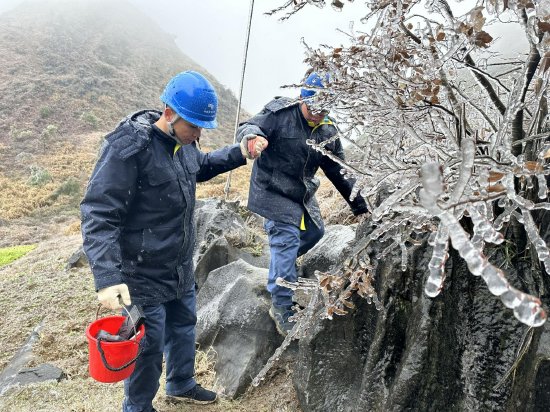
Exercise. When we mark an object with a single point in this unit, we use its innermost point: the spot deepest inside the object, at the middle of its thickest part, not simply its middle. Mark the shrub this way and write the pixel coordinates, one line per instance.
(50, 131)
(17, 134)
(39, 176)
(70, 187)
(90, 119)
(45, 112)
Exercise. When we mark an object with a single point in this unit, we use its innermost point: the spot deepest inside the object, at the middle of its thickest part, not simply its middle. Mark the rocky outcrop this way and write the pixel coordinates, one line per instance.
(233, 318)
(224, 237)
(458, 351)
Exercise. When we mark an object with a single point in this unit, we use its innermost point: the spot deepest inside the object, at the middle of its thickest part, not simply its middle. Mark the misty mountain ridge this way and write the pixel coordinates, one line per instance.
(70, 71)
(82, 66)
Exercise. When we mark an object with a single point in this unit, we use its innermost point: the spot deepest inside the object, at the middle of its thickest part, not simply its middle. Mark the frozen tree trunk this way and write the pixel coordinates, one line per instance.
(456, 352)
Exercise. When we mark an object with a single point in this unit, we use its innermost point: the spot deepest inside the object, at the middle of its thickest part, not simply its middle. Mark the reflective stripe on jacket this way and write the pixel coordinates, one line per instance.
(283, 182)
(137, 213)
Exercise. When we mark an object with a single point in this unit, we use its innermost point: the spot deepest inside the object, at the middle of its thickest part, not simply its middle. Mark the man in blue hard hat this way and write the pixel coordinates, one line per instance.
(283, 184)
(138, 229)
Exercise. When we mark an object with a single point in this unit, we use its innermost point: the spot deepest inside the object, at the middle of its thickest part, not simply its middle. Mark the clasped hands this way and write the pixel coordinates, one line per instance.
(252, 146)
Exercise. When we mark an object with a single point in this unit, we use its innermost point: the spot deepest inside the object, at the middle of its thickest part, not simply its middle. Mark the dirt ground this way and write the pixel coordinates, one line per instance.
(37, 288)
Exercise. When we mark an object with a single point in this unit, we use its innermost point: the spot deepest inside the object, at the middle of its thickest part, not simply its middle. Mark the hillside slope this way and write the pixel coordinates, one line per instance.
(69, 72)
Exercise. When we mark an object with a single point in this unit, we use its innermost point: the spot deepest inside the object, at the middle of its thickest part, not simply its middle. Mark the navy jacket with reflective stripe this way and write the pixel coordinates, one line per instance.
(137, 213)
(283, 182)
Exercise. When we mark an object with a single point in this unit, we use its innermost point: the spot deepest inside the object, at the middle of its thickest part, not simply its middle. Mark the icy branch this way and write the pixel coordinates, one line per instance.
(526, 308)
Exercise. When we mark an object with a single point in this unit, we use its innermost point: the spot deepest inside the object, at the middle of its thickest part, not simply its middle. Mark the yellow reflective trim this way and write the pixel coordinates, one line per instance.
(176, 147)
(326, 120)
(303, 223)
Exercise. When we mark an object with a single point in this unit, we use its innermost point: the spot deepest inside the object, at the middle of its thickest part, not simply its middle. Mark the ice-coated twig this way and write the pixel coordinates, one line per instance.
(335, 158)
(526, 308)
(508, 182)
(385, 206)
(504, 216)
(483, 229)
(303, 319)
(540, 246)
(404, 255)
(543, 186)
(468, 153)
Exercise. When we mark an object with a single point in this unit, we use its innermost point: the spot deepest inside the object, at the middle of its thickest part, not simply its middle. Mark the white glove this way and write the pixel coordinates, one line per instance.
(112, 296)
(252, 146)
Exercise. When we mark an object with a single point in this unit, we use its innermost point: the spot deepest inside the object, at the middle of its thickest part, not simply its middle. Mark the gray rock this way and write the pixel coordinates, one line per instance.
(77, 260)
(458, 351)
(224, 237)
(330, 250)
(220, 253)
(215, 218)
(233, 318)
(41, 373)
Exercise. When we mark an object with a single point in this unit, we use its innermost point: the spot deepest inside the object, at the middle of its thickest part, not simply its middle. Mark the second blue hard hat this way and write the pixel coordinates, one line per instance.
(193, 98)
(314, 80)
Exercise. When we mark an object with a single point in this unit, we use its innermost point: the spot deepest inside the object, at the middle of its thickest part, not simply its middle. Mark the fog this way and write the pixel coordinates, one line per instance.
(213, 33)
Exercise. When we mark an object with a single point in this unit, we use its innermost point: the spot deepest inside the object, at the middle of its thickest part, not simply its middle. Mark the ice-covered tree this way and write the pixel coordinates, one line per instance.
(445, 130)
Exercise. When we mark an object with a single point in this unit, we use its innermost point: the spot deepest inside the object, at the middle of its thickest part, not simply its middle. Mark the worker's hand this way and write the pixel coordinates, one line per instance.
(253, 146)
(115, 296)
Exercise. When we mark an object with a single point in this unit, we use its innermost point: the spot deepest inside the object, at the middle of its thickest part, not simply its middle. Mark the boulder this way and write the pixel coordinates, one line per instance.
(224, 237)
(220, 253)
(233, 318)
(41, 373)
(457, 351)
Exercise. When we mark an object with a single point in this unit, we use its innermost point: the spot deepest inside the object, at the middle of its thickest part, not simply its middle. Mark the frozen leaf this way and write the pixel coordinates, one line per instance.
(477, 19)
(544, 26)
(338, 311)
(482, 39)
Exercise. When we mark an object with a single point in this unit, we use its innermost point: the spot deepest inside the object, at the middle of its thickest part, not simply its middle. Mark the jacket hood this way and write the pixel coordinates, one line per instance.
(141, 121)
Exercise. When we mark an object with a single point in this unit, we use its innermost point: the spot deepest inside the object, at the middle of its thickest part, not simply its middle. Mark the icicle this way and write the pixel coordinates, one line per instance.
(533, 233)
(434, 284)
(527, 308)
(543, 188)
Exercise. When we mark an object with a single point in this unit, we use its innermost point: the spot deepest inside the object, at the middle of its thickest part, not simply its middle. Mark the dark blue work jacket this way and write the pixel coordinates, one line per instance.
(283, 182)
(137, 213)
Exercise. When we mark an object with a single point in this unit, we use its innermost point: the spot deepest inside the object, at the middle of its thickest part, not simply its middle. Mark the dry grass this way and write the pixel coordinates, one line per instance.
(75, 160)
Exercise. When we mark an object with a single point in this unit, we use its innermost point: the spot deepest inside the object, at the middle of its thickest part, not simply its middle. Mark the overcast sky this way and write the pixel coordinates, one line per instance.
(213, 33)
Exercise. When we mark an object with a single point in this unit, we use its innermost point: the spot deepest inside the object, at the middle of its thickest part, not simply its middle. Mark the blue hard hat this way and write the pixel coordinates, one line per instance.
(193, 98)
(314, 80)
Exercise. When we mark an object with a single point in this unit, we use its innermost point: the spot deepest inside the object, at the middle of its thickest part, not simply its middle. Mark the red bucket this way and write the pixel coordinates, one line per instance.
(118, 360)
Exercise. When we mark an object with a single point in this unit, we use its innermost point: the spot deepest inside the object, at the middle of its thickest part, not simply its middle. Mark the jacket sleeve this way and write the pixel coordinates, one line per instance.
(259, 125)
(219, 161)
(110, 190)
(333, 171)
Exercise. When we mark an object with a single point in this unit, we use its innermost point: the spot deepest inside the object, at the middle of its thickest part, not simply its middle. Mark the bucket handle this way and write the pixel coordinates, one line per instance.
(111, 368)
(100, 349)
